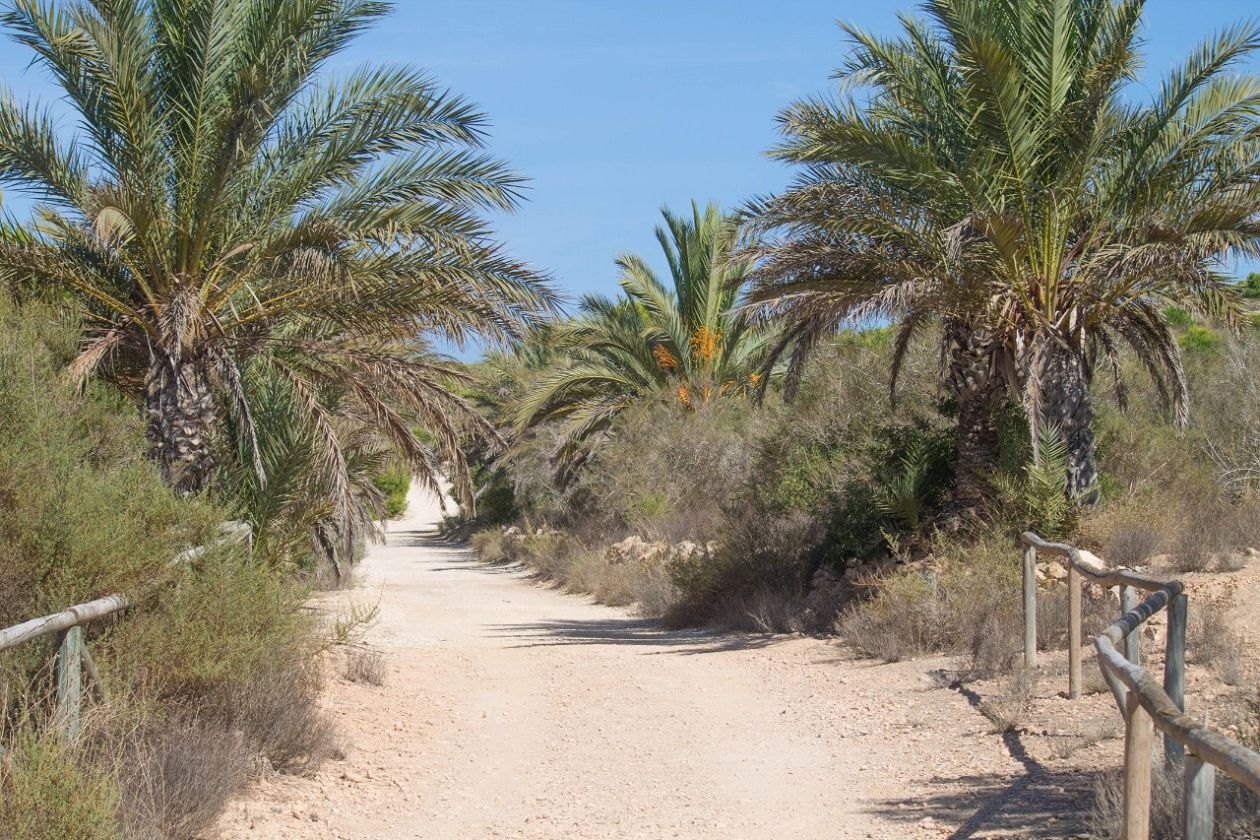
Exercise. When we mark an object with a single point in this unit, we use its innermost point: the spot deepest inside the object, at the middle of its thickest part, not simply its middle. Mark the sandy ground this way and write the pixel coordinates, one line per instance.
(514, 711)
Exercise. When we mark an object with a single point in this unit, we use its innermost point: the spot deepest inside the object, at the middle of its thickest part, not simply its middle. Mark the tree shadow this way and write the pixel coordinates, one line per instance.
(454, 552)
(630, 631)
(1038, 803)
(1044, 804)
(608, 631)
(424, 538)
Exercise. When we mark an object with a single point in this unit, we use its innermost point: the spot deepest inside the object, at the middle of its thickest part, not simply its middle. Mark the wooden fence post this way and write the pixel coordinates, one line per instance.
(70, 682)
(1175, 670)
(1030, 606)
(1074, 632)
(1139, 735)
(1199, 798)
(1132, 642)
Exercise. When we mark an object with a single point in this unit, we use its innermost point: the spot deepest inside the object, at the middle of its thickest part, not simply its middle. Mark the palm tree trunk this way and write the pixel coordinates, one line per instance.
(1064, 401)
(973, 379)
(180, 420)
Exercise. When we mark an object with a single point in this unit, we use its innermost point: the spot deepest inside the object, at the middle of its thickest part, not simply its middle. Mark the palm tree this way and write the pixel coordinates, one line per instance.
(1079, 216)
(680, 343)
(290, 505)
(229, 215)
(837, 251)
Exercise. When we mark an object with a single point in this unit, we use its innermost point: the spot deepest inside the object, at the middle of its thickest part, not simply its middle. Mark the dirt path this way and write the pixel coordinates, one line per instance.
(515, 711)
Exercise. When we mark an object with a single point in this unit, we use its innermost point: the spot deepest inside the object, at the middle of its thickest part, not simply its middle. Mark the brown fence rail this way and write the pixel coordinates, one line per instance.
(1145, 704)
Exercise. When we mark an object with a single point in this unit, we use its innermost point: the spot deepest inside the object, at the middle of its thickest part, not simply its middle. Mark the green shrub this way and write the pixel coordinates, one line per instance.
(856, 526)
(1178, 318)
(218, 623)
(47, 792)
(802, 479)
(394, 485)
(648, 506)
(83, 514)
(1199, 339)
(496, 497)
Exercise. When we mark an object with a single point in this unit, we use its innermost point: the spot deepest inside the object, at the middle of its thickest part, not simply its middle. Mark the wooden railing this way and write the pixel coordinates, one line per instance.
(73, 659)
(1144, 703)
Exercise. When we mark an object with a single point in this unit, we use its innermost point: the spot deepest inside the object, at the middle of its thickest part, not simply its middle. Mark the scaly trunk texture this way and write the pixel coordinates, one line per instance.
(180, 420)
(973, 379)
(1065, 403)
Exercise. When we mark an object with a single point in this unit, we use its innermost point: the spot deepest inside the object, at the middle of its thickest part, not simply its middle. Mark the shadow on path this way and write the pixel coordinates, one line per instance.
(455, 552)
(1044, 805)
(1038, 803)
(426, 538)
(629, 631)
(604, 631)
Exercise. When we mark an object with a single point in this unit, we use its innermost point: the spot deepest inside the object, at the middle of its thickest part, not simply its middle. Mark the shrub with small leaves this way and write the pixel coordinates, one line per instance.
(394, 484)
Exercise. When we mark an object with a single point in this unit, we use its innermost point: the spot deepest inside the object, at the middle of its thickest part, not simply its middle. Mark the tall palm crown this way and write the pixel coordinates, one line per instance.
(681, 343)
(840, 251)
(998, 137)
(227, 215)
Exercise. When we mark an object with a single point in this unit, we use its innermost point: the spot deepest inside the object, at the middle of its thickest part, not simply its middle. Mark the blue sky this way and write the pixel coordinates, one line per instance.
(615, 108)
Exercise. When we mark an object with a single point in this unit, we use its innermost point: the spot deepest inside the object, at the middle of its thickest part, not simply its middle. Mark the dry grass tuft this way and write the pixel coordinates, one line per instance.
(278, 713)
(1211, 640)
(1211, 536)
(1009, 710)
(488, 545)
(1091, 735)
(1190, 528)
(140, 771)
(349, 626)
(1237, 809)
(581, 569)
(176, 776)
(1129, 546)
(364, 665)
(872, 634)
(1092, 680)
(762, 610)
(964, 600)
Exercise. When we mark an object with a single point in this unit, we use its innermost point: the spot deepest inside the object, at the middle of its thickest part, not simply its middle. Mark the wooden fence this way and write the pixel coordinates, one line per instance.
(1144, 702)
(74, 660)
(73, 657)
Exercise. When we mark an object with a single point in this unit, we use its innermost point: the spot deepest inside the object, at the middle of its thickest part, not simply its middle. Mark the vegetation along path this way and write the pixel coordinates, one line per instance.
(512, 710)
